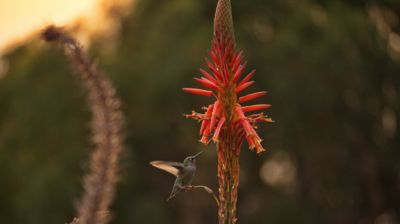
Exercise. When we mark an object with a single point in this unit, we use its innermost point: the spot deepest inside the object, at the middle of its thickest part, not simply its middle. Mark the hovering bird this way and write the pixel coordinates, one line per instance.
(184, 172)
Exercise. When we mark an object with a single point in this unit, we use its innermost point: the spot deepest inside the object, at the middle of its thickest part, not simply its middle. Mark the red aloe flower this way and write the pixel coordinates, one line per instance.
(226, 121)
(223, 82)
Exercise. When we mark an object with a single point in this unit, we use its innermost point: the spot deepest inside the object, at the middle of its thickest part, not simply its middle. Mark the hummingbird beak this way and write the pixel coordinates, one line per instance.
(198, 154)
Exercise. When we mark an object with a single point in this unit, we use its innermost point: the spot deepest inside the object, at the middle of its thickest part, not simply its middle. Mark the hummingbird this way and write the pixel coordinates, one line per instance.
(184, 172)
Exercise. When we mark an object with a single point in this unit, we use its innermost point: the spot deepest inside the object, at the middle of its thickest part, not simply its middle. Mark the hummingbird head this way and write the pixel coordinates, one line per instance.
(191, 159)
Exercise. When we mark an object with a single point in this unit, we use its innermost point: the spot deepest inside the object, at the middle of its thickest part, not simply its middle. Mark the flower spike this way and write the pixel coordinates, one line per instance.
(227, 66)
(224, 119)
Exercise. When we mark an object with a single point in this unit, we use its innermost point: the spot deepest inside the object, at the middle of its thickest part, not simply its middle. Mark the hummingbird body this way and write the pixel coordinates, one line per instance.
(184, 172)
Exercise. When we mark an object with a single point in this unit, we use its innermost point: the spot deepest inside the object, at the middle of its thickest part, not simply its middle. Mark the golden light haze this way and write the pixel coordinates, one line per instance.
(19, 18)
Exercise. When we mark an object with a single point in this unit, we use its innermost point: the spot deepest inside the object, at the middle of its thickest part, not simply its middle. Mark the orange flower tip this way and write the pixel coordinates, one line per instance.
(250, 135)
(215, 140)
(260, 150)
(251, 144)
(252, 96)
(201, 92)
(190, 115)
(204, 140)
(243, 86)
(255, 107)
(259, 147)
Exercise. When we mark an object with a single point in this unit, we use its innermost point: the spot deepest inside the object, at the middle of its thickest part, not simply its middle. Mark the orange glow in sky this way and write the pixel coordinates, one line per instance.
(21, 17)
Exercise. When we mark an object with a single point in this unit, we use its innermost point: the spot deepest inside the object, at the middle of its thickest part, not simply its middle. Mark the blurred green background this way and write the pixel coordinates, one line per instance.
(332, 70)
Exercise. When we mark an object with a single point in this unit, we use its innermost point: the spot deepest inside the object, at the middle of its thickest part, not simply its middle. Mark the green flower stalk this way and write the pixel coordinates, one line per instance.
(226, 121)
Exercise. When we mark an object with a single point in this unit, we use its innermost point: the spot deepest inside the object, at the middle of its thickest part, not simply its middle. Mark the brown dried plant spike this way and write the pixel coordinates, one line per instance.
(99, 183)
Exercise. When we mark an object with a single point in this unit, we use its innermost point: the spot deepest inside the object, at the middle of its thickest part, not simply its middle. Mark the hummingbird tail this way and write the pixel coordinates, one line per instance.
(174, 192)
(170, 197)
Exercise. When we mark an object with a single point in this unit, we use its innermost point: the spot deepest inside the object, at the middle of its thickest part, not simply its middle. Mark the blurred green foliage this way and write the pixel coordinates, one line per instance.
(333, 74)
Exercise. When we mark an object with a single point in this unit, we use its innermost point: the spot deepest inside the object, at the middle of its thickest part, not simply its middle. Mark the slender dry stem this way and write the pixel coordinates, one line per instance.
(205, 188)
(99, 183)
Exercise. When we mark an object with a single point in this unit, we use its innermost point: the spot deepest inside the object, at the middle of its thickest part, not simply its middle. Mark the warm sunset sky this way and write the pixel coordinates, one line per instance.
(21, 17)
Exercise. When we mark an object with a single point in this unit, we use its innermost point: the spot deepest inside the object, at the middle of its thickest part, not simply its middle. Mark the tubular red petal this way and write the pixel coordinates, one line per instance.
(248, 77)
(208, 76)
(201, 92)
(226, 72)
(203, 125)
(214, 57)
(206, 120)
(237, 59)
(239, 112)
(206, 83)
(218, 129)
(255, 136)
(209, 112)
(251, 143)
(204, 138)
(235, 67)
(255, 107)
(214, 70)
(238, 73)
(218, 52)
(214, 115)
(252, 96)
(247, 127)
(243, 86)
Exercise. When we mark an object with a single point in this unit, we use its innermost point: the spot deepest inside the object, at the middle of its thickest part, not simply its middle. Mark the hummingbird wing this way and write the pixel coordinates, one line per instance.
(173, 168)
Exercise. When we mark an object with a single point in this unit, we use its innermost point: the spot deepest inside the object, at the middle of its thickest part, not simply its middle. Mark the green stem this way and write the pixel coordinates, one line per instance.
(228, 176)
